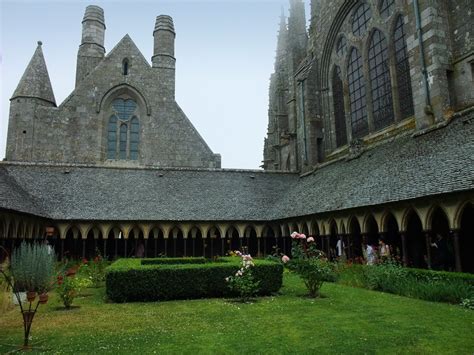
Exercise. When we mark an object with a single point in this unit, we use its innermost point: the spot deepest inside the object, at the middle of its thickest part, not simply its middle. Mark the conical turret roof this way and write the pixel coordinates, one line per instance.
(35, 80)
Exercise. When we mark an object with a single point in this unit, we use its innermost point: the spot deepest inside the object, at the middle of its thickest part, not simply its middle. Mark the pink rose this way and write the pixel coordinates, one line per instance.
(285, 259)
(294, 235)
(302, 236)
(310, 239)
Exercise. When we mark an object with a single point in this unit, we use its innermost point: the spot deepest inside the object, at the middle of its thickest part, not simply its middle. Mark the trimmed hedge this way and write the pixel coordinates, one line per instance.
(173, 261)
(127, 280)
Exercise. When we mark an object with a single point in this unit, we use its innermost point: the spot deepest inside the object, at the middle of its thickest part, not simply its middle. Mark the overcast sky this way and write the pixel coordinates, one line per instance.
(224, 49)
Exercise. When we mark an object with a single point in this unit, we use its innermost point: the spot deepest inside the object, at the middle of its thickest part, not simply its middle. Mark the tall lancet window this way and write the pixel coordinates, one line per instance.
(339, 112)
(380, 80)
(123, 133)
(355, 76)
(403, 71)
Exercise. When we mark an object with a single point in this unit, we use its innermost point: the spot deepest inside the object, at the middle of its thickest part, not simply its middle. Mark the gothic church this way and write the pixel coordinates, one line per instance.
(370, 136)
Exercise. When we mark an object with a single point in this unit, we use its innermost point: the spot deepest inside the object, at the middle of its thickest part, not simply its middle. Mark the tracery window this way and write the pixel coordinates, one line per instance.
(381, 87)
(361, 18)
(341, 46)
(339, 112)
(386, 8)
(405, 94)
(123, 131)
(357, 94)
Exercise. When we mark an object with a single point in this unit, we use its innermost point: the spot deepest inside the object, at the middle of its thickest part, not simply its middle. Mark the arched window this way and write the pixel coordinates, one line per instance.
(123, 132)
(361, 19)
(112, 138)
(380, 80)
(356, 81)
(134, 138)
(386, 8)
(339, 112)
(405, 94)
(125, 67)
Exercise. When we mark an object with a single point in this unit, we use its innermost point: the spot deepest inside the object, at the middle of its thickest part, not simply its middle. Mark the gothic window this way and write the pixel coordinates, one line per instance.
(112, 137)
(125, 67)
(341, 46)
(361, 19)
(380, 80)
(386, 8)
(405, 94)
(339, 112)
(356, 81)
(123, 132)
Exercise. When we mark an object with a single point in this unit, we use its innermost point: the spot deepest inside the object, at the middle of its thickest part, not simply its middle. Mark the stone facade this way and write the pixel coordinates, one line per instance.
(77, 130)
(302, 132)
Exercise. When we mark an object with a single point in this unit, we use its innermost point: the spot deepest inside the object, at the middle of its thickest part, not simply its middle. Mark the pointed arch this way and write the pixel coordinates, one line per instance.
(380, 83)
(402, 69)
(339, 110)
(357, 94)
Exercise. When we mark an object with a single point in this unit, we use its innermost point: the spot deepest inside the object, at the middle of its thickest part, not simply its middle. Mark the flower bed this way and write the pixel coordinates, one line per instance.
(129, 280)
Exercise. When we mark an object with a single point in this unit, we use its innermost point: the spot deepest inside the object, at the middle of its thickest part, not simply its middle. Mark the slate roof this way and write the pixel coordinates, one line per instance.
(92, 193)
(407, 167)
(35, 81)
(14, 197)
(441, 161)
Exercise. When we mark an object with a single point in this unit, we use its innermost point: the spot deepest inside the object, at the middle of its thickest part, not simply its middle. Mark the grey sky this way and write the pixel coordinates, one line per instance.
(225, 53)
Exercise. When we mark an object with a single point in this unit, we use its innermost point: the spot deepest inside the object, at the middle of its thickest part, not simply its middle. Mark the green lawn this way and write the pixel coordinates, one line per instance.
(345, 320)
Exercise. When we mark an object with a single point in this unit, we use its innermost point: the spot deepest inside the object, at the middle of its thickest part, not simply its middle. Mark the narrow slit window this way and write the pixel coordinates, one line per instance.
(125, 67)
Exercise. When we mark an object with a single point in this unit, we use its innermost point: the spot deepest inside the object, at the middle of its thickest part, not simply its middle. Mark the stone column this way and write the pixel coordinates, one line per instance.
(125, 248)
(428, 248)
(457, 249)
(404, 248)
(83, 248)
(258, 247)
(166, 247)
(62, 249)
(105, 248)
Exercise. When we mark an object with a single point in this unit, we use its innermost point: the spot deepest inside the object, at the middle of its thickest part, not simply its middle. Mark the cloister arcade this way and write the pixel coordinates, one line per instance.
(410, 229)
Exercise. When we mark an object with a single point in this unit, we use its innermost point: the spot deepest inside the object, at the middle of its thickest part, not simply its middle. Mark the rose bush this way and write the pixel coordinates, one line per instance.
(308, 262)
(243, 282)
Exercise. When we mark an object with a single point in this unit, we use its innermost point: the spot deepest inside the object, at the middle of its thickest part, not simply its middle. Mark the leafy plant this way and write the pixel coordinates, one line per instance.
(309, 263)
(243, 282)
(31, 269)
(69, 287)
(95, 269)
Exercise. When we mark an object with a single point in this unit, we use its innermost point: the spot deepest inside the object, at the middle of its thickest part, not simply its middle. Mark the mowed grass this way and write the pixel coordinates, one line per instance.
(345, 320)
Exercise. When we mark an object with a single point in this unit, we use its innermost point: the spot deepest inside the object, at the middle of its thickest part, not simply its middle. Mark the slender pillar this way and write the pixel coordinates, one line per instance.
(212, 247)
(240, 243)
(457, 250)
(174, 247)
(146, 248)
(166, 246)
(428, 248)
(116, 248)
(62, 249)
(222, 246)
(258, 247)
(95, 246)
(328, 246)
(404, 248)
(83, 248)
(126, 254)
(285, 251)
(265, 246)
(204, 245)
(194, 247)
(105, 249)
(156, 247)
(185, 245)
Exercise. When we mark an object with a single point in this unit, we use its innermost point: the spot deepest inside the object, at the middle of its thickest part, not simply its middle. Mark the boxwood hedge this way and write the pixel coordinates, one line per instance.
(129, 280)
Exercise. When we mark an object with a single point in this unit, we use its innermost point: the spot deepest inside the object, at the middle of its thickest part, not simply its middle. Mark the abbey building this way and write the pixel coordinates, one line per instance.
(370, 137)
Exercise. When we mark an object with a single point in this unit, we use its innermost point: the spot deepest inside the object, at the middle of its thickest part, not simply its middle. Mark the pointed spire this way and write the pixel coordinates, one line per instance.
(35, 81)
(282, 34)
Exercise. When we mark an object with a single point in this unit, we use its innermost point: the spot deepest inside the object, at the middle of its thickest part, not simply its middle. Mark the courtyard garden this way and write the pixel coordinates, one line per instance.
(238, 305)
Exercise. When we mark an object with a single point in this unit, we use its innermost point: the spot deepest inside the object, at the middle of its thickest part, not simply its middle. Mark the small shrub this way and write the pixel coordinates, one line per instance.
(94, 270)
(243, 282)
(468, 303)
(69, 288)
(309, 263)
